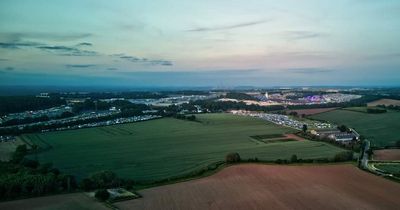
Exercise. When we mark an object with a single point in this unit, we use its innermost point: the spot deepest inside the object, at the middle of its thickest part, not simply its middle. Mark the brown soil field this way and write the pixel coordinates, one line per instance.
(385, 102)
(387, 154)
(76, 201)
(286, 136)
(257, 186)
(312, 111)
(295, 137)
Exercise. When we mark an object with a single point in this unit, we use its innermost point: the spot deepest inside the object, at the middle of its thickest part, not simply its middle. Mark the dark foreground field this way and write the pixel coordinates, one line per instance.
(75, 201)
(254, 186)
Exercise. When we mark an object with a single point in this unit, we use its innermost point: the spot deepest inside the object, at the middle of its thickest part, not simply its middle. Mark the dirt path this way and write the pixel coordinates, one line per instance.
(293, 136)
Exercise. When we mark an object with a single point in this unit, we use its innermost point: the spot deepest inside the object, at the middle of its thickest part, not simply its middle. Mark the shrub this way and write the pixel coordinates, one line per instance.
(398, 143)
(191, 118)
(293, 159)
(376, 110)
(19, 153)
(104, 179)
(102, 194)
(86, 184)
(29, 163)
(343, 156)
(232, 157)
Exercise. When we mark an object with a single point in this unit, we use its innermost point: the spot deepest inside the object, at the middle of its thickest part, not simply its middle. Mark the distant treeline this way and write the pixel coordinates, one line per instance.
(376, 110)
(239, 96)
(129, 95)
(12, 104)
(391, 107)
(218, 106)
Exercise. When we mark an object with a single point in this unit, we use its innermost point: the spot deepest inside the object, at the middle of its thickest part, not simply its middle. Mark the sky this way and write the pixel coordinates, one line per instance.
(200, 43)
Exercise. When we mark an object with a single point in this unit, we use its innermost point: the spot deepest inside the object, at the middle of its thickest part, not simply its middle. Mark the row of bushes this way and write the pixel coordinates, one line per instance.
(339, 157)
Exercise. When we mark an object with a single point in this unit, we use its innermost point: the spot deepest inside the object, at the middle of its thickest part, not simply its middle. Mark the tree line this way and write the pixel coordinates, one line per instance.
(23, 177)
(13, 104)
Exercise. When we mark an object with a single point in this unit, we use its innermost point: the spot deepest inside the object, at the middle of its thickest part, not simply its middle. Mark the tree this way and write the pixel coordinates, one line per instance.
(102, 194)
(370, 152)
(343, 128)
(19, 153)
(29, 163)
(104, 179)
(343, 156)
(398, 143)
(191, 118)
(305, 127)
(293, 159)
(232, 157)
(86, 184)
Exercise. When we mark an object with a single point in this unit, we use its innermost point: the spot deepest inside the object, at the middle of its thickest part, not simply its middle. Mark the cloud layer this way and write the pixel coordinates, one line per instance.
(134, 59)
(227, 27)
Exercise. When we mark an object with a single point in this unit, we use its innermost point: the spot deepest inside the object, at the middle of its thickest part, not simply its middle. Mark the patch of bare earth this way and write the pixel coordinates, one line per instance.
(295, 137)
(76, 201)
(387, 154)
(256, 186)
(312, 111)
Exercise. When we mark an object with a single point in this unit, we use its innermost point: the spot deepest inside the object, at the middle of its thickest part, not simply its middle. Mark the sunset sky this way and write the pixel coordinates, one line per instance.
(199, 43)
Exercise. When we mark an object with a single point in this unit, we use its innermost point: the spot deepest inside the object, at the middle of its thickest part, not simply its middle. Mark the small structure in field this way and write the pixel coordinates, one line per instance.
(120, 194)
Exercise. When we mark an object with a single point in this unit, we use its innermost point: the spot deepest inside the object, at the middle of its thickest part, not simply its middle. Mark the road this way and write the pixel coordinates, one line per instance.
(364, 160)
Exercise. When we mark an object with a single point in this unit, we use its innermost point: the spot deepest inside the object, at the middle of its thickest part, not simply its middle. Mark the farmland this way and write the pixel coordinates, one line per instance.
(381, 129)
(256, 186)
(387, 154)
(168, 147)
(393, 168)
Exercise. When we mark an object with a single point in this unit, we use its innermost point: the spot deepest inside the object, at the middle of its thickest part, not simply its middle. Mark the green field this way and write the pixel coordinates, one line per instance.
(393, 168)
(168, 147)
(381, 129)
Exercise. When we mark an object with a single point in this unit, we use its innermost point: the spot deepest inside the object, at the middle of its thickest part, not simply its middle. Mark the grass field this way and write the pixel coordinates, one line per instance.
(393, 168)
(381, 129)
(311, 111)
(165, 148)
